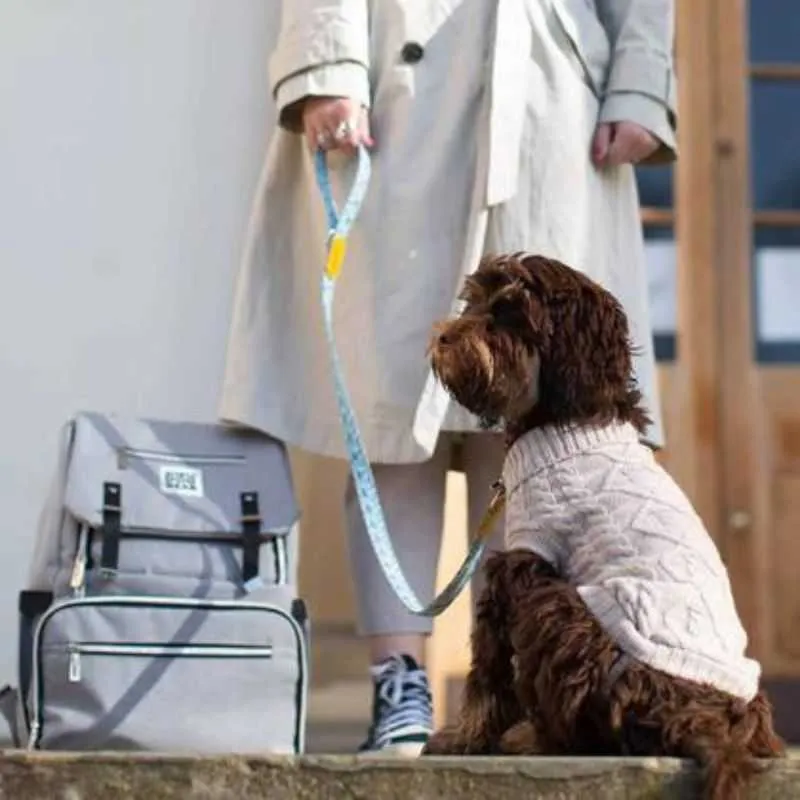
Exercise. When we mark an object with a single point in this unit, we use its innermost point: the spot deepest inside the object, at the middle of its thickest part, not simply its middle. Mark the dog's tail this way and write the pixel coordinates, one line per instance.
(730, 765)
(727, 772)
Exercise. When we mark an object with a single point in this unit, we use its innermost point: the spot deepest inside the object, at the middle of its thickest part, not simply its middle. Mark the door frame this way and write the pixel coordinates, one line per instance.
(717, 378)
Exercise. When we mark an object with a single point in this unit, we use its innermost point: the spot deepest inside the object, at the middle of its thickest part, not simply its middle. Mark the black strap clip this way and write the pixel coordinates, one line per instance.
(112, 517)
(251, 544)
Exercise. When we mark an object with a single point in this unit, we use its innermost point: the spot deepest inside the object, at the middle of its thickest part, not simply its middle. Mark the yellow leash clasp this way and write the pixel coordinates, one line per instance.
(337, 249)
(493, 511)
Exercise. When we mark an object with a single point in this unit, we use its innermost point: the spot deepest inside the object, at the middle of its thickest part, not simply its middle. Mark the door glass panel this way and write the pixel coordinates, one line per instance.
(775, 142)
(776, 290)
(775, 178)
(774, 31)
(655, 186)
(656, 191)
(661, 255)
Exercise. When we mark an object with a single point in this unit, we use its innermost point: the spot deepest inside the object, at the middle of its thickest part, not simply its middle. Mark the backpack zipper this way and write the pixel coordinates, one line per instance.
(77, 650)
(125, 454)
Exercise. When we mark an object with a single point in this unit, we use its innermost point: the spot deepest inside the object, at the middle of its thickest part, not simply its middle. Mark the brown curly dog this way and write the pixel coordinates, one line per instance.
(608, 626)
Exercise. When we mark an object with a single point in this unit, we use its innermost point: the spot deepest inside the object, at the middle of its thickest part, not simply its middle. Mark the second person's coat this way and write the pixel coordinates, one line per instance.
(474, 104)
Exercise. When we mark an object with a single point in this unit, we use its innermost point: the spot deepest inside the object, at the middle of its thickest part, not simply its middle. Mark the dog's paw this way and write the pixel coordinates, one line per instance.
(446, 742)
(451, 742)
(520, 740)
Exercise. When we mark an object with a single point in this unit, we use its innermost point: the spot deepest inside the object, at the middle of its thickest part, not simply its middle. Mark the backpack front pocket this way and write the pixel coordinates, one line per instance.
(168, 674)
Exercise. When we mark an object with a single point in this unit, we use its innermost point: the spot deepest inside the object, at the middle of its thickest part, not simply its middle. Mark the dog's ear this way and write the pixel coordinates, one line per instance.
(517, 311)
(519, 329)
(523, 395)
(587, 368)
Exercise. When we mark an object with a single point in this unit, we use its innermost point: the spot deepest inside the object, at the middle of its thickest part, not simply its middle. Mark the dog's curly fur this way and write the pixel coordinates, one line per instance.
(541, 344)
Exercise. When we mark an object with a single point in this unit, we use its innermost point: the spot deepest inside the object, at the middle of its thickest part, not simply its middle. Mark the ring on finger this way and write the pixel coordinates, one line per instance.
(323, 139)
(343, 130)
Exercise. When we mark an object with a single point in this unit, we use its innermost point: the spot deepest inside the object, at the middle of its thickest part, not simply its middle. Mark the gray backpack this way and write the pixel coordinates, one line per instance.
(161, 610)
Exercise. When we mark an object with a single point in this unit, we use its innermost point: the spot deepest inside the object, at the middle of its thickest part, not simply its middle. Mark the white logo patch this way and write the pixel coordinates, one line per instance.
(184, 481)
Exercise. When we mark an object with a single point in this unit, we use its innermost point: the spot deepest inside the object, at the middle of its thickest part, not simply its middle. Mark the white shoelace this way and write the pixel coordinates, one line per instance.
(404, 703)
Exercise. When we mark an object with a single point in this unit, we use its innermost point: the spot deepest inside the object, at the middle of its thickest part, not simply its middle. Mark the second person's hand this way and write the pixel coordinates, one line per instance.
(622, 142)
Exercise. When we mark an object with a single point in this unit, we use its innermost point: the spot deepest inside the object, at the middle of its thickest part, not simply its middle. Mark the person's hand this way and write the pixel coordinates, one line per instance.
(335, 123)
(618, 143)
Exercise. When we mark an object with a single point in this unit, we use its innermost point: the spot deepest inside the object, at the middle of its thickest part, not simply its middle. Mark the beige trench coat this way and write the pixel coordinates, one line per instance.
(449, 126)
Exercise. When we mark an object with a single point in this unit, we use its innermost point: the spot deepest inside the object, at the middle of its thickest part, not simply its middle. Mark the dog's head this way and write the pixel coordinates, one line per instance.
(538, 343)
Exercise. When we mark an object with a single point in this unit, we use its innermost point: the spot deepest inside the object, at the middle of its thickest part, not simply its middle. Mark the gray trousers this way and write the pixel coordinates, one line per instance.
(413, 498)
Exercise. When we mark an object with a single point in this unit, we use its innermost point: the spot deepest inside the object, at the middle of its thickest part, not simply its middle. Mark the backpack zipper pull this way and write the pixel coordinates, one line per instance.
(74, 666)
(78, 575)
(78, 578)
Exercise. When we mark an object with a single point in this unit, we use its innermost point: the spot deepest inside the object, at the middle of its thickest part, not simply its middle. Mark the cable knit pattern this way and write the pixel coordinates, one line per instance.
(596, 504)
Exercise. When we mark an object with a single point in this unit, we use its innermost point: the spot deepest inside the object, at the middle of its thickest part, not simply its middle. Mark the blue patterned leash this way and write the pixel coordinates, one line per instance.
(339, 225)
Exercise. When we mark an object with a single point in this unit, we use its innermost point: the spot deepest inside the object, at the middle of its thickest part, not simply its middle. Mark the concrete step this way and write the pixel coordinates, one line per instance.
(66, 776)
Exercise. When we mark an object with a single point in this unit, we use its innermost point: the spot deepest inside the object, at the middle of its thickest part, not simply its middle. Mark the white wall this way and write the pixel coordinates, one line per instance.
(131, 134)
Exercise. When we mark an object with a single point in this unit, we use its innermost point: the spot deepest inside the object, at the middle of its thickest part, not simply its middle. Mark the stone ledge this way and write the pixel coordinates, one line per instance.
(101, 776)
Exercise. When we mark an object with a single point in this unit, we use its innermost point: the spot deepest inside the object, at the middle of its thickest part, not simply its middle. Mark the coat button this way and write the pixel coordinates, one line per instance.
(412, 52)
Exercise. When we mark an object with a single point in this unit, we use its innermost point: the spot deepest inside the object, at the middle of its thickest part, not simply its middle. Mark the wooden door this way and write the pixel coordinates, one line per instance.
(732, 392)
(738, 386)
(758, 264)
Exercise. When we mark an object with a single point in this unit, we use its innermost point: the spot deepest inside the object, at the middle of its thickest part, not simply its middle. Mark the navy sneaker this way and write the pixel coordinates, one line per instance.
(402, 714)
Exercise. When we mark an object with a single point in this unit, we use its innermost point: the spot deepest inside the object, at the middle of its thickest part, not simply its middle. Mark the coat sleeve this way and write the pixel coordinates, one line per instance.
(322, 50)
(641, 83)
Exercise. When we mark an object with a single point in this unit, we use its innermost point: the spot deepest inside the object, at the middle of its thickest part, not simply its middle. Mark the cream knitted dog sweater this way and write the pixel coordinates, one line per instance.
(596, 504)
